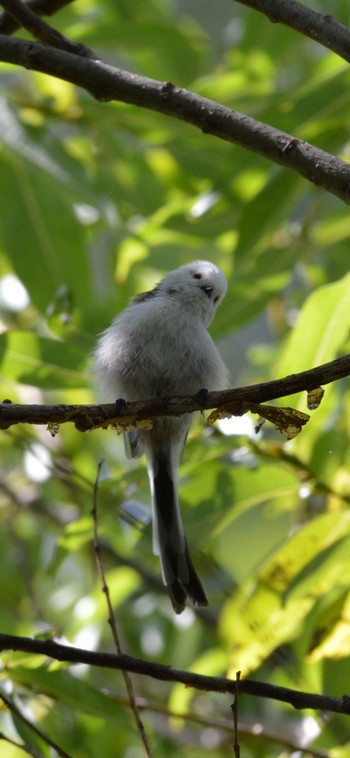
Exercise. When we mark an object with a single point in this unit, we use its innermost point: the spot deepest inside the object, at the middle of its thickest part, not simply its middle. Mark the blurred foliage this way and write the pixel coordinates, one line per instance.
(98, 201)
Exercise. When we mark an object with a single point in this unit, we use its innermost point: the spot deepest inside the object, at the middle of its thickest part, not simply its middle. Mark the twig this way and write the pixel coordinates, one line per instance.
(236, 748)
(305, 470)
(21, 746)
(236, 401)
(8, 24)
(105, 82)
(112, 621)
(164, 673)
(317, 26)
(224, 725)
(42, 31)
(13, 708)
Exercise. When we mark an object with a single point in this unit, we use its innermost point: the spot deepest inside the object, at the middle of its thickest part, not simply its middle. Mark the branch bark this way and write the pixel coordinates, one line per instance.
(10, 705)
(235, 401)
(319, 27)
(164, 673)
(9, 24)
(106, 83)
(26, 17)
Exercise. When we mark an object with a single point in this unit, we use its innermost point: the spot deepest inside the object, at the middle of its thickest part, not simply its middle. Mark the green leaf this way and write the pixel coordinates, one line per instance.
(71, 690)
(262, 614)
(321, 330)
(47, 363)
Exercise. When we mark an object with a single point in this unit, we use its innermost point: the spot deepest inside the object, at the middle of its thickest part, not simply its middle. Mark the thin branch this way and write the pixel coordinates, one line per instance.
(13, 709)
(305, 470)
(21, 746)
(207, 616)
(8, 24)
(236, 745)
(113, 624)
(321, 28)
(105, 82)
(55, 650)
(224, 725)
(236, 401)
(317, 26)
(42, 31)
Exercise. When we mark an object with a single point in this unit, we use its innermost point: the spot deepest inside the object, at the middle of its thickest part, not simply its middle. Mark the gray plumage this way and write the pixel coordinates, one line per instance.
(158, 347)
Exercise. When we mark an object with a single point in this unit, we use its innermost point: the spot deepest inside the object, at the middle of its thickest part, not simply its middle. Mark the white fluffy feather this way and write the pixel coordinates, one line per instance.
(158, 347)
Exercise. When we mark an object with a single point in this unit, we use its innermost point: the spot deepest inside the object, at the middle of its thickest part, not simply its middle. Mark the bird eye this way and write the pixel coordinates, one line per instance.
(197, 275)
(208, 290)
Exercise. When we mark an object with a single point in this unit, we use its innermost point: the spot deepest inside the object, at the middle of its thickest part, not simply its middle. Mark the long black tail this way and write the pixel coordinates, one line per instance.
(169, 542)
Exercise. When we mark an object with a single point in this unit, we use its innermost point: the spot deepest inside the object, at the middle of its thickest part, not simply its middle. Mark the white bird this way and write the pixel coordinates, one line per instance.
(159, 347)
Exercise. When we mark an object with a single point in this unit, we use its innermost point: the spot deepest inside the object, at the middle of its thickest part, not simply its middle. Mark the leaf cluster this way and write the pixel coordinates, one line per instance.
(98, 201)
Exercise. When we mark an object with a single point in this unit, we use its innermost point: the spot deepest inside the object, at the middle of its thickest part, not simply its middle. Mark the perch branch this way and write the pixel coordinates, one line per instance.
(158, 671)
(105, 82)
(235, 401)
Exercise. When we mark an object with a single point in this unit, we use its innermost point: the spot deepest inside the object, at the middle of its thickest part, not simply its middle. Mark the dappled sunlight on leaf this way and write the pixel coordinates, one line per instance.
(270, 610)
(98, 201)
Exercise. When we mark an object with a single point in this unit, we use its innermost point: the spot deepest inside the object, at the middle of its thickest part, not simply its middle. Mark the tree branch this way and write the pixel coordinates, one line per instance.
(8, 24)
(104, 82)
(317, 26)
(224, 725)
(113, 623)
(32, 727)
(235, 401)
(41, 30)
(321, 28)
(164, 673)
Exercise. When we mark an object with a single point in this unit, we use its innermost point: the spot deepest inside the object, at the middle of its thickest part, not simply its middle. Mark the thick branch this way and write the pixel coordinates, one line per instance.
(236, 401)
(163, 673)
(105, 82)
(318, 26)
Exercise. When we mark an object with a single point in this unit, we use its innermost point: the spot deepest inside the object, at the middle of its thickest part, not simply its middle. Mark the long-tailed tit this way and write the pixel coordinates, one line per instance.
(158, 347)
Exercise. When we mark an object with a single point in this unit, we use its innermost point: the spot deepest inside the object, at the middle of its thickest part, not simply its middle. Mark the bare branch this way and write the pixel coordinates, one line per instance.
(234, 707)
(105, 83)
(41, 30)
(8, 24)
(235, 401)
(21, 746)
(113, 624)
(164, 673)
(224, 725)
(32, 727)
(318, 26)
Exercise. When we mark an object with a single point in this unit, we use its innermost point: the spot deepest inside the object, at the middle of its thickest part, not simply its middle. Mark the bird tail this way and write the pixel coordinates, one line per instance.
(169, 542)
